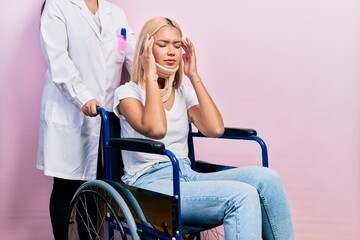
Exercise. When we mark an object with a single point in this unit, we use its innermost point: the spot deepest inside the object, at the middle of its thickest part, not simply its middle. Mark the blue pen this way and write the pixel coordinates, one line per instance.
(123, 33)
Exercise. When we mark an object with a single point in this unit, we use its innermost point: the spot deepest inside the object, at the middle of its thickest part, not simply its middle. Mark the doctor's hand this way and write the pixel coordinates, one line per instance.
(147, 58)
(89, 108)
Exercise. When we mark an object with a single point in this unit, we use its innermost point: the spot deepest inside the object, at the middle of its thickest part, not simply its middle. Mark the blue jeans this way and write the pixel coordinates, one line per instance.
(250, 202)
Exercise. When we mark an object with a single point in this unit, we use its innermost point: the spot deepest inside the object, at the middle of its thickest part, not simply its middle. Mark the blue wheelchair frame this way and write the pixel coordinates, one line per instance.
(150, 146)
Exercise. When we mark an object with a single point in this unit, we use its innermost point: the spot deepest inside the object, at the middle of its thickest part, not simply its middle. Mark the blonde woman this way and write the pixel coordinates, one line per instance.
(155, 105)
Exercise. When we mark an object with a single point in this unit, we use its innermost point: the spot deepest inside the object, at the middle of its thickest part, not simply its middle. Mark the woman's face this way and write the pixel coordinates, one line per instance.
(167, 47)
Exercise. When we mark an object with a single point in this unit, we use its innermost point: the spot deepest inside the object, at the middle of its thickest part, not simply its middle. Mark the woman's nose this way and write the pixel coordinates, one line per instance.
(171, 50)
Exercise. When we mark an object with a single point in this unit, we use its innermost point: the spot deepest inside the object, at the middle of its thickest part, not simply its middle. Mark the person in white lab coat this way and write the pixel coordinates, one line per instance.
(85, 44)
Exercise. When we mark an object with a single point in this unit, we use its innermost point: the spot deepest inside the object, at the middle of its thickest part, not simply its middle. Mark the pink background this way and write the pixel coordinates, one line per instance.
(290, 69)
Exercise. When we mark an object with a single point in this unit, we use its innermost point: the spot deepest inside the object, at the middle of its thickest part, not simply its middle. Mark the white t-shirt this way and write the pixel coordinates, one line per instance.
(175, 140)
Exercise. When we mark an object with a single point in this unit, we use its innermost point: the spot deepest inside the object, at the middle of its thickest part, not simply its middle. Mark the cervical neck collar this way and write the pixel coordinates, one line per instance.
(169, 75)
(165, 72)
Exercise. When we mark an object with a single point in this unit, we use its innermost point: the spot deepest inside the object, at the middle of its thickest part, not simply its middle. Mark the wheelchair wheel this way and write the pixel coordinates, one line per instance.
(97, 211)
(216, 233)
(212, 234)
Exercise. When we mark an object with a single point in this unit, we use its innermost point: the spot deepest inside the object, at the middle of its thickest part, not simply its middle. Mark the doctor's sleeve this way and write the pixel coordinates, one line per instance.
(54, 45)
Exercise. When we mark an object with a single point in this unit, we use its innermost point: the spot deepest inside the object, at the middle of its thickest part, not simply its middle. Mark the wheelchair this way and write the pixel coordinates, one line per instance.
(106, 208)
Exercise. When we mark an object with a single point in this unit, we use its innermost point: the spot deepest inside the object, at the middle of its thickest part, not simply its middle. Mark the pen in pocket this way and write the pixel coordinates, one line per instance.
(122, 40)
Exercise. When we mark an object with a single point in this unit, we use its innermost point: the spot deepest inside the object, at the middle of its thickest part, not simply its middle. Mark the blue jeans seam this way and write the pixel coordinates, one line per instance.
(268, 214)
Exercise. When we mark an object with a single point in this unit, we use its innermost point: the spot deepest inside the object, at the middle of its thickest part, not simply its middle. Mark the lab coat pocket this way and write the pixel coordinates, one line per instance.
(65, 113)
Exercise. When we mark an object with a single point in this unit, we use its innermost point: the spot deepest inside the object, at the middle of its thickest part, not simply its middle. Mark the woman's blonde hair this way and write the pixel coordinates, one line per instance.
(151, 27)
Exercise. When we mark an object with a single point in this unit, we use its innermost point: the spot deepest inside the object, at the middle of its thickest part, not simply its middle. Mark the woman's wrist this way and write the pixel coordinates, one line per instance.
(195, 78)
(151, 77)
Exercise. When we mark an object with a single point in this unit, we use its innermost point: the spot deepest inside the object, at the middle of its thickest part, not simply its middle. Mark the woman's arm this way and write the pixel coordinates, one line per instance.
(206, 116)
(149, 120)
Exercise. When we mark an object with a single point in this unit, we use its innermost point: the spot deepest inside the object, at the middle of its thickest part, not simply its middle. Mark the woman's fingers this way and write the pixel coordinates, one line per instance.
(147, 56)
(148, 45)
(187, 45)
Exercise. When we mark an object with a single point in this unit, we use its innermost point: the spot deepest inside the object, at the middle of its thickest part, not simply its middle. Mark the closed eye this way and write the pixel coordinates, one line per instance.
(165, 43)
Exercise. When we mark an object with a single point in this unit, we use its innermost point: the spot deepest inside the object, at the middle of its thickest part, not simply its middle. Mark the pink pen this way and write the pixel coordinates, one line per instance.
(122, 40)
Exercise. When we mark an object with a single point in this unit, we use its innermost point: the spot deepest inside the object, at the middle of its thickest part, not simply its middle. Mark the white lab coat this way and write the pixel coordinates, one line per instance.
(84, 63)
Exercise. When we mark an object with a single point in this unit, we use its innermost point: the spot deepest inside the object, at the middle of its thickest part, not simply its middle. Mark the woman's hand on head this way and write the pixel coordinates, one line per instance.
(89, 108)
(189, 58)
(147, 58)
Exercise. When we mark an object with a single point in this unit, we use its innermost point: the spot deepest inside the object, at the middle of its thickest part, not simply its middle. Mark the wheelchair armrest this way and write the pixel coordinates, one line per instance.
(233, 132)
(137, 144)
(239, 132)
(149, 146)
